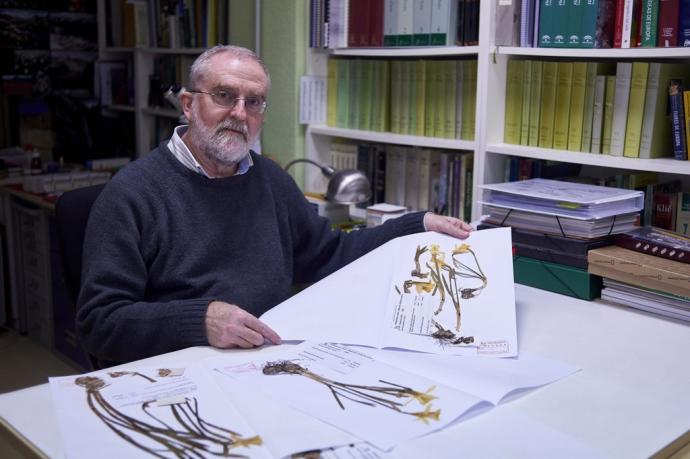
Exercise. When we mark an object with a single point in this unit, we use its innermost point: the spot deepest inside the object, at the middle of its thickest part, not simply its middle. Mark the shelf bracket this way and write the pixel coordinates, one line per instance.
(493, 54)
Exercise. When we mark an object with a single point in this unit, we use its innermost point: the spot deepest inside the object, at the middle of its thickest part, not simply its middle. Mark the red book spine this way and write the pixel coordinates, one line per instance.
(353, 24)
(618, 24)
(669, 11)
(664, 211)
(376, 23)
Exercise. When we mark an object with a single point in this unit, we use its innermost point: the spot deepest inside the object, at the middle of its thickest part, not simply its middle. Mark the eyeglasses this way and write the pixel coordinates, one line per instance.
(252, 104)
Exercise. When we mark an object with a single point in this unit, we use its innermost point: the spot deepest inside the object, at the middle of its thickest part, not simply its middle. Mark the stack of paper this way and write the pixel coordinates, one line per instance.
(563, 208)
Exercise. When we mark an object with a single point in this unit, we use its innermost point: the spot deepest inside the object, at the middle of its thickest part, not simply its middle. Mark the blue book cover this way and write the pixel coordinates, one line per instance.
(675, 102)
(684, 24)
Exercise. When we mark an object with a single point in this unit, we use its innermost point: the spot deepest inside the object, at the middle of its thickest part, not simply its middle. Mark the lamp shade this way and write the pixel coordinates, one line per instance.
(348, 186)
(345, 186)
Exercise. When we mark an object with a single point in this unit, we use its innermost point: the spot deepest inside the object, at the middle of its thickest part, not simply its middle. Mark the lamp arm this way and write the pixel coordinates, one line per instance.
(325, 168)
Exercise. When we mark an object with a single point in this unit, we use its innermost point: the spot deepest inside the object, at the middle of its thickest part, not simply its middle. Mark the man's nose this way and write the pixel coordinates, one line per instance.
(239, 110)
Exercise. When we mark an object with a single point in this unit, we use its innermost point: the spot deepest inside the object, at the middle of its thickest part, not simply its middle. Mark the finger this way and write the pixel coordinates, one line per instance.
(244, 332)
(239, 341)
(264, 330)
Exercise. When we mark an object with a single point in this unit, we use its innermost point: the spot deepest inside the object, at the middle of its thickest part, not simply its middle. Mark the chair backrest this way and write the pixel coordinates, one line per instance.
(71, 215)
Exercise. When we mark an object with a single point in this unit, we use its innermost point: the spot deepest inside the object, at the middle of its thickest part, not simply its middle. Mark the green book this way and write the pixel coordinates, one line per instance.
(366, 94)
(513, 105)
(564, 84)
(588, 28)
(566, 280)
(438, 111)
(405, 96)
(385, 95)
(377, 96)
(459, 73)
(638, 89)
(547, 9)
(449, 97)
(332, 93)
(609, 96)
(577, 106)
(430, 96)
(560, 23)
(650, 19)
(535, 103)
(417, 127)
(548, 104)
(343, 93)
(573, 24)
(469, 99)
(396, 110)
(526, 99)
(355, 94)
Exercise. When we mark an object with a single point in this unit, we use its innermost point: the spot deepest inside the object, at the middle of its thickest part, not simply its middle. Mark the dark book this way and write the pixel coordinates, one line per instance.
(379, 174)
(664, 213)
(375, 23)
(675, 102)
(657, 242)
(538, 253)
(668, 23)
(605, 24)
(684, 24)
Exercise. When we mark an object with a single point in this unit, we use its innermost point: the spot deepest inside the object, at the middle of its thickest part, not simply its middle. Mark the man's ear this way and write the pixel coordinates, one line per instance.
(186, 103)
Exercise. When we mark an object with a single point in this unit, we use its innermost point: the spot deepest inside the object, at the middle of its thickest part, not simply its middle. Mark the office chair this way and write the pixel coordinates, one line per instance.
(71, 215)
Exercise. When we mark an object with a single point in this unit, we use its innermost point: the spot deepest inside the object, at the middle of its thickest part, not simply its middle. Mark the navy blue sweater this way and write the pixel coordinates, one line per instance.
(163, 241)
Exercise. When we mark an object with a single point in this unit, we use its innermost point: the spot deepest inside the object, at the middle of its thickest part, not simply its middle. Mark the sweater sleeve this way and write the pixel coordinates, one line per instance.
(114, 322)
(319, 250)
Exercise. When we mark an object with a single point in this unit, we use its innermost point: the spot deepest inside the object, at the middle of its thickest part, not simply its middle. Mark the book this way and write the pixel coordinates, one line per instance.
(657, 242)
(557, 278)
(650, 18)
(664, 211)
(684, 24)
(638, 89)
(598, 113)
(547, 18)
(648, 300)
(683, 213)
(678, 140)
(588, 23)
(390, 23)
(686, 114)
(443, 22)
(640, 269)
(620, 107)
(421, 23)
(513, 105)
(507, 22)
(548, 103)
(405, 16)
(564, 84)
(535, 103)
(577, 106)
(667, 35)
(526, 98)
(459, 79)
(469, 99)
(605, 24)
(527, 10)
(573, 24)
(449, 90)
(588, 106)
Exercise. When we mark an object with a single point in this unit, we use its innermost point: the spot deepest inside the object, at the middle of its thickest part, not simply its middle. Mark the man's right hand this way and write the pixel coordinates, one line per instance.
(228, 325)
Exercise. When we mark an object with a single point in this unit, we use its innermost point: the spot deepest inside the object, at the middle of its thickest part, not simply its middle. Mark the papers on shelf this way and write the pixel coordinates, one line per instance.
(562, 226)
(367, 315)
(653, 301)
(565, 199)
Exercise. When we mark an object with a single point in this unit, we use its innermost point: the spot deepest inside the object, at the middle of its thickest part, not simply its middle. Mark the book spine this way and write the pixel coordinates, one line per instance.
(609, 96)
(627, 27)
(420, 98)
(459, 71)
(507, 20)
(431, 96)
(535, 103)
(618, 23)
(573, 24)
(577, 106)
(588, 32)
(684, 24)
(667, 35)
(546, 23)
(606, 18)
(332, 92)
(560, 16)
(527, 23)
(683, 221)
(450, 87)
(675, 93)
(586, 142)
(390, 23)
(638, 89)
(650, 108)
(443, 22)
(469, 100)
(513, 110)
(404, 16)
(562, 106)
(343, 93)
(654, 247)
(686, 114)
(422, 23)
(548, 104)
(526, 98)
(650, 17)
(620, 107)
(598, 113)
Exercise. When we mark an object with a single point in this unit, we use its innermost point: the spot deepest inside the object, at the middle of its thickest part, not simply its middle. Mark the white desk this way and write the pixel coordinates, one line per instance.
(631, 399)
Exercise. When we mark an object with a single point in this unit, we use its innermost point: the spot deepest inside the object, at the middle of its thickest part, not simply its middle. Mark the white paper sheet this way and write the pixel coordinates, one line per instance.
(131, 414)
(453, 297)
(349, 306)
(349, 389)
(488, 379)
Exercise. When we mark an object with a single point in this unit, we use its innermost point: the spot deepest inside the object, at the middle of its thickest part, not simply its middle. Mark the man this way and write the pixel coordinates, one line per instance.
(189, 244)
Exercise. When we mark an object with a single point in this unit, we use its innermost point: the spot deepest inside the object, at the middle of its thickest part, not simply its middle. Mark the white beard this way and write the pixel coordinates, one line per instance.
(219, 144)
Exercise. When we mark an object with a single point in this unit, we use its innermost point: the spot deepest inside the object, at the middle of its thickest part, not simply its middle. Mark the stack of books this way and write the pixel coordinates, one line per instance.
(555, 224)
(647, 269)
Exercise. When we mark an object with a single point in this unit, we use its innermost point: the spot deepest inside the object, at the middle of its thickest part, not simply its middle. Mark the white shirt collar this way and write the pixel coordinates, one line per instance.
(180, 150)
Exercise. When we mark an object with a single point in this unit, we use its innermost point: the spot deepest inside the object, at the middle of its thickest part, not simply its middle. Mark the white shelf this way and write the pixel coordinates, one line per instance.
(388, 137)
(421, 51)
(165, 112)
(663, 165)
(608, 53)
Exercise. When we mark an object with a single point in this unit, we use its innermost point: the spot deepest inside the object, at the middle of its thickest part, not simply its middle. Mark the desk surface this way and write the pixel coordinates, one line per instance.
(631, 399)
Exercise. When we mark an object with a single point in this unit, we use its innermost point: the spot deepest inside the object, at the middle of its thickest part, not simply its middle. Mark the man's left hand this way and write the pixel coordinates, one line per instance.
(447, 225)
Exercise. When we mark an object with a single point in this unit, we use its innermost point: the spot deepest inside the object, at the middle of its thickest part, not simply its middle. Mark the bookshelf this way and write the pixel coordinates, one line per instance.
(153, 123)
(491, 153)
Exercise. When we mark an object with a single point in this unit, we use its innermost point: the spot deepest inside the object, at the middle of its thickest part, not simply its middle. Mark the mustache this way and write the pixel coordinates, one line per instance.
(233, 125)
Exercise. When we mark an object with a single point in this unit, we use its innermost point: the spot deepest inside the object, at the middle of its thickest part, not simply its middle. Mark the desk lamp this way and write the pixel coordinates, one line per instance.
(345, 186)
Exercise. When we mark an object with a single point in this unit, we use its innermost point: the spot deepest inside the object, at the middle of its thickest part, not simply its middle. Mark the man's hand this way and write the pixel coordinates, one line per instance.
(228, 325)
(447, 225)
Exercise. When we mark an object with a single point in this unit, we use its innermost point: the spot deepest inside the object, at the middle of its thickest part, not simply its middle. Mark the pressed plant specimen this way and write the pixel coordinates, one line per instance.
(448, 281)
(186, 435)
(389, 395)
